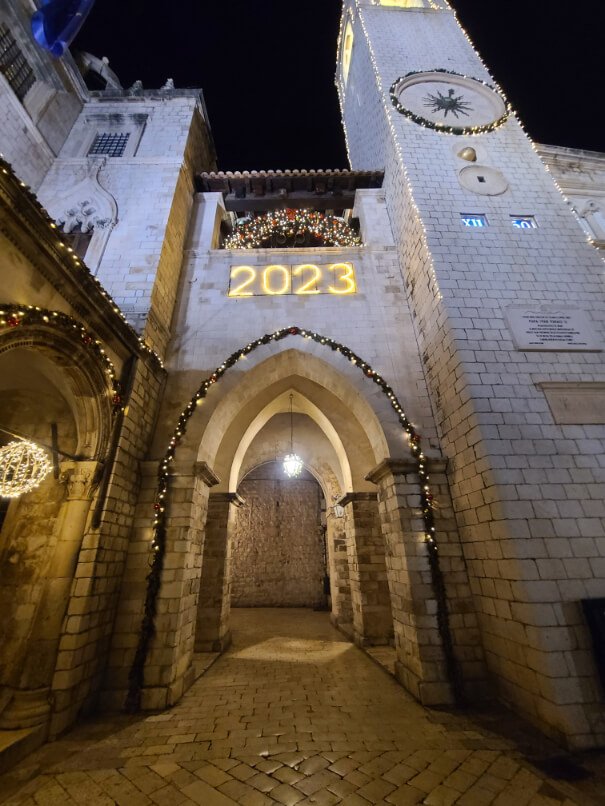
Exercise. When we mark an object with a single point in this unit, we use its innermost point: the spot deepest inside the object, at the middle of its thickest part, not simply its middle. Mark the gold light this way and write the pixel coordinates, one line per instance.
(23, 466)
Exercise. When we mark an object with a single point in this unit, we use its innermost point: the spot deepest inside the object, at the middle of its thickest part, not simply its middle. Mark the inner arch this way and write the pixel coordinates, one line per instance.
(301, 404)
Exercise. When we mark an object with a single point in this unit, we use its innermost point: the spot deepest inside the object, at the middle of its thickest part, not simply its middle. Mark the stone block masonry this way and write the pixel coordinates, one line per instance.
(523, 487)
(277, 552)
(152, 190)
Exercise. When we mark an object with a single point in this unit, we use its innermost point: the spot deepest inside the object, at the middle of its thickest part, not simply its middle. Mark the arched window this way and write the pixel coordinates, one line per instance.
(347, 50)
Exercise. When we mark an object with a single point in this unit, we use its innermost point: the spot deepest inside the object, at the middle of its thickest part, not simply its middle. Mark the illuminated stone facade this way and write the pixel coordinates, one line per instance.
(467, 253)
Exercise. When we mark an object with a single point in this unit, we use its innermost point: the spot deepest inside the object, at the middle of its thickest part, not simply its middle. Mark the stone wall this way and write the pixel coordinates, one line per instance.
(527, 490)
(277, 551)
(145, 196)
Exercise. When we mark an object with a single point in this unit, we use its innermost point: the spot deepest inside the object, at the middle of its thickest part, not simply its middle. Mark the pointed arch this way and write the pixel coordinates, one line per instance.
(136, 676)
(355, 431)
(302, 405)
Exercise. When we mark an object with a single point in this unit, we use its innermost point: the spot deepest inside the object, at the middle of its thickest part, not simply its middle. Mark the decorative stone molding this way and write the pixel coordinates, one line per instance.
(401, 467)
(204, 472)
(81, 479)
(349, 498)
(592, 219)
(228, 498)
(87, 206)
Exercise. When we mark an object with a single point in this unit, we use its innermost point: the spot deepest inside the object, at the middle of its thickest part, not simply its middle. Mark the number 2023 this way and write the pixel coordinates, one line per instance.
(303, 279)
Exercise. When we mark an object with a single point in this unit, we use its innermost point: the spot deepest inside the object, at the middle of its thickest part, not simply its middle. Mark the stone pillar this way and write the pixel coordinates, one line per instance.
(31, 705)
(340, 587)
(212, 633)
(372, 618)
(169, 669)
(421, 664)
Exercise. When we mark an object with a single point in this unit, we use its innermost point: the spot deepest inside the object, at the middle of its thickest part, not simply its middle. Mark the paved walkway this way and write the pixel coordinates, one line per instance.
(292, 714)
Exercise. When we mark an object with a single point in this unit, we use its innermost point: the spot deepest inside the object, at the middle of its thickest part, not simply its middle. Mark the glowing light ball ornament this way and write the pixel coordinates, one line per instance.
(23, 466)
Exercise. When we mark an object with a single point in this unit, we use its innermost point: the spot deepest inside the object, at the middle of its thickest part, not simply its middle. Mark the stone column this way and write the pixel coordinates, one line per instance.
(169, 669)
(372, 619)
(31, 704)
(340, 587)
(421, 664)
(212, 633)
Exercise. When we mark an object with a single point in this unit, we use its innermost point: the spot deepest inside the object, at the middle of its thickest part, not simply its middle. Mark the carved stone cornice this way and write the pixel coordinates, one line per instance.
(349, 498)
(81, 479)
(227, 498)
(403, 467)
(204, 472)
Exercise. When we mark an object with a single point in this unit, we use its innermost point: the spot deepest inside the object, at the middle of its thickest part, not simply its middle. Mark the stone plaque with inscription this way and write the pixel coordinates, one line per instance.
(544, 328)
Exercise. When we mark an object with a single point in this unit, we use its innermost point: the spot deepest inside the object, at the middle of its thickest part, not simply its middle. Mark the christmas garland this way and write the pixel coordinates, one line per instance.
(136, 676)
(443, 128)
(284, 225)
(12, 316)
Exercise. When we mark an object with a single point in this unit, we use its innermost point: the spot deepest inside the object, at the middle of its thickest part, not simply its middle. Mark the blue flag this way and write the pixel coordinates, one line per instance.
(56, 24)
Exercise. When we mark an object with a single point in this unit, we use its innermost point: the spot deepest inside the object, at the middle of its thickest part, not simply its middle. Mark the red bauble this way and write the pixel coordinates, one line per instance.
(13, 321)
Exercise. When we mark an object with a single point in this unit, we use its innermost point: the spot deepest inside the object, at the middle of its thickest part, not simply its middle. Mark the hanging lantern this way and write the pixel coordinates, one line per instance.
(293, 465)
(23, 465)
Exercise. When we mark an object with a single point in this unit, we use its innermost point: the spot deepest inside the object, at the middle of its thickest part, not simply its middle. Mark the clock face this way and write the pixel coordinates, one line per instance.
(449, 102)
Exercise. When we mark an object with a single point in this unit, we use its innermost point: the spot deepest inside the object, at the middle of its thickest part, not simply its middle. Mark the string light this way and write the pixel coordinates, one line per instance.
(289, 224)
(23, 466)
(12, 316)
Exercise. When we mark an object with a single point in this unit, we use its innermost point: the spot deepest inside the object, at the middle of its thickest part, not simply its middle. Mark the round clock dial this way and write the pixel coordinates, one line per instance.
(449, 102)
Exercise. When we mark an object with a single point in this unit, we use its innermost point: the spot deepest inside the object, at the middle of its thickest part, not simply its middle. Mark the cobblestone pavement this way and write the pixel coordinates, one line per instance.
(292, 714)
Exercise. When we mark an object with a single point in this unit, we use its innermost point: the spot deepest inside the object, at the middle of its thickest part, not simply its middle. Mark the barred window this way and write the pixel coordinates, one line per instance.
(13, 65)
(112, 145)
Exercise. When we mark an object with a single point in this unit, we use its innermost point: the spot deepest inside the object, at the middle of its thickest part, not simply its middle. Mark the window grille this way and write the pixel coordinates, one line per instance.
(13, 65)
(112, 145)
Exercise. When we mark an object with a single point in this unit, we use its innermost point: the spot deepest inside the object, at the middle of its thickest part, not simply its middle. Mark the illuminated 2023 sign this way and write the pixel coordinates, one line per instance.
(301, 279)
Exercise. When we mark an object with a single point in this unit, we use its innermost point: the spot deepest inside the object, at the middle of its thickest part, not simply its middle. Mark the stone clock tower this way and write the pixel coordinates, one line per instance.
(508, 303)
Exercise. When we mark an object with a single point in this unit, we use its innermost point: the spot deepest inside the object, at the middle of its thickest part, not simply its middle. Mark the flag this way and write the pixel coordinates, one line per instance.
(57, 22)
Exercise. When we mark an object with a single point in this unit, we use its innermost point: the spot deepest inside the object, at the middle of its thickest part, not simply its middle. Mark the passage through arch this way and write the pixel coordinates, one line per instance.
(162, 498)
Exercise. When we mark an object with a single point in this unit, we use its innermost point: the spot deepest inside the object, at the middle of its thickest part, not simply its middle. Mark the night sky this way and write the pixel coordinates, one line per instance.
(267, 68)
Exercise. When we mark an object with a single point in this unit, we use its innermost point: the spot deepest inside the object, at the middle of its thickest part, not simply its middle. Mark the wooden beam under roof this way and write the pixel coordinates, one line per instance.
(263, 191)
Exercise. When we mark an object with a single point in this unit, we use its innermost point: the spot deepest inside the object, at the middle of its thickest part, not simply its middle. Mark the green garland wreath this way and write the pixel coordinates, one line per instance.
(326, 229)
